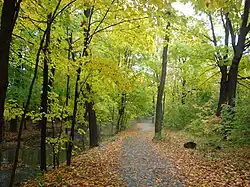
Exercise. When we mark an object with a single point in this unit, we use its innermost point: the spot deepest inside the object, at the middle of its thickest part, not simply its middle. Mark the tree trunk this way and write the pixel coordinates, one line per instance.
(91, 117)
(183, 93)
(93, 129)
(239, 48)
(153, 109)
(223, 89)
(159, 112)
(121, 113)
(9, 16)
(163, 105)
(13, 125)
(12, 179)
(87, 13)
(50, 88)
(112, 119)
(223, 68)
(232, 82)
(44, 101)
(70, 41)
(53, 145)
(72, 131)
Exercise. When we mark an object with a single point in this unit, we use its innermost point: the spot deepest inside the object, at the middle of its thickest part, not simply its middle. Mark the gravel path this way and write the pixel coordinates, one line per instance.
(142, 166)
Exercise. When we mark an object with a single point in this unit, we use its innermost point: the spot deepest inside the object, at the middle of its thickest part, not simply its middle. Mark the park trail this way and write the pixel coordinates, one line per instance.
(131, 159)
(141, 164)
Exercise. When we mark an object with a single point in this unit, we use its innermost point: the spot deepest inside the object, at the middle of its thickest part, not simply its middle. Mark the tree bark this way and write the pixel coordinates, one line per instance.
(93, 127)
(13, 125)
(9, 16)
(163, 105)
(238, 52)
(72, 130)
(12, 179)
(88, 13)
(183, 92)
(70, 53)
(223, 89)
(232, 82)
(121, 113)
(223, 94)
(159, 105)
(112, 119)
(44, 101)
(153, 108)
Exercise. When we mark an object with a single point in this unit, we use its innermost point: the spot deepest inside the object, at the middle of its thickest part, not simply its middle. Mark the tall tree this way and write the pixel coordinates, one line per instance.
(221, 61)
(9, 16)
(88, 14)
(159, 102)
(238, 49)
(44, 100)
(55, 14)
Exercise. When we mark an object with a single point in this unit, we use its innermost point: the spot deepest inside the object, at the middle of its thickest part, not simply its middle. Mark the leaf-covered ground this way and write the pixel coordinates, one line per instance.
(96, 167)
(133, 159)
(225, 167)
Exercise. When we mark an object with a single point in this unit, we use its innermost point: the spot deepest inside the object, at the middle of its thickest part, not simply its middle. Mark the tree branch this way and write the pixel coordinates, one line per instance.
(211, 40)
(23, 39)
(243, 85)
(34, 20)
(230, 26)
(105, 15)
(212, 29)
(54, 13)
(245, 14)
(115, 24)
(57, 14)
(210, 78)
(243, 78)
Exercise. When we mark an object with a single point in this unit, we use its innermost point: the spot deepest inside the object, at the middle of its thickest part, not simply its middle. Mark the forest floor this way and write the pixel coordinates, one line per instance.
(133, 159)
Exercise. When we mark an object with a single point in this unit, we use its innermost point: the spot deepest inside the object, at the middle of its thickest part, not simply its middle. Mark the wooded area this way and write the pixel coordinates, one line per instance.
(73, 73)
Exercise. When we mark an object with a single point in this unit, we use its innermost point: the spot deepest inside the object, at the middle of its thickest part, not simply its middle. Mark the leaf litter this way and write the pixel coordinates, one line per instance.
(133, 159)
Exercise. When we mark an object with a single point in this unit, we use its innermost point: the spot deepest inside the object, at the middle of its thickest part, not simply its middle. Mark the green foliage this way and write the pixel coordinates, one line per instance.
(178, 116)
(12, 110)
(239, 127)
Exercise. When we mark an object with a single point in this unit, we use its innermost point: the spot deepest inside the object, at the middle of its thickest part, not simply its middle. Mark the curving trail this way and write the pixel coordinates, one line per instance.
(141, 165)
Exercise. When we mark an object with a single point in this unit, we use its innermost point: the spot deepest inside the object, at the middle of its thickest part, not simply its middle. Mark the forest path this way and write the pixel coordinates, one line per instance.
(141, 165)
(131, 160)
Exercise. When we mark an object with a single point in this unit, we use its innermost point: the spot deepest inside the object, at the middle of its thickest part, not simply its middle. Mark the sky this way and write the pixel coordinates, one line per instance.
(188, 10)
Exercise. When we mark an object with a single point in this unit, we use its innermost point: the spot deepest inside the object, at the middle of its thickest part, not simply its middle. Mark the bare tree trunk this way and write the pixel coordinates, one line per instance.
(238, 52)
(183, 93)
(72, 130)
(13, 125)
(121, 113)
(9, 16)
(232, 83)
(93, 127)
(163, 105)
(112, 119)
(159, 112)
(53, 145)
(44, 101)
(153, 108)
(221, 64)
(12, 179)
(88, 13)
(223, 89)
(70, 53)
